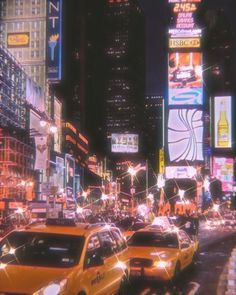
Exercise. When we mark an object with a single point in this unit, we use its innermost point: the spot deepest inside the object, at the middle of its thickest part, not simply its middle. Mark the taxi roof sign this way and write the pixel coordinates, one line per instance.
(60, 222)
(162, 221)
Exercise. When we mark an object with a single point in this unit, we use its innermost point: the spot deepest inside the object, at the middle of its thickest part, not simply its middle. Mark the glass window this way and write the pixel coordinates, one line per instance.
(108, 242)
(183, 237)
(93, 250)
(41, 249)
(153, 239)
(121, 244)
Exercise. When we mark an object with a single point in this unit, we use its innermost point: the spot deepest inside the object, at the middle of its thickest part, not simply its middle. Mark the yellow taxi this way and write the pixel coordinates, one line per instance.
(60, 257)
(133, 228)
(160, 254)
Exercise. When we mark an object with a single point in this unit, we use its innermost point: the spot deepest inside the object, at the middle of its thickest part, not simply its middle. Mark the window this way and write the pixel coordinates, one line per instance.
(109, 245)
(121, 244)
(183, 237)
(93, 251)
(35, 10)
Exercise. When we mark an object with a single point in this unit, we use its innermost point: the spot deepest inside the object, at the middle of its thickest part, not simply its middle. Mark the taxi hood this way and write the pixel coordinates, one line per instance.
(28, 279)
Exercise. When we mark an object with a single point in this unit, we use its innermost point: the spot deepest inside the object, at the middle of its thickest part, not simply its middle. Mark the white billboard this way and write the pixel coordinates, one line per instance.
(180, 172)
(223, 121)
(185, 135)
(35, 95)
(124, 143)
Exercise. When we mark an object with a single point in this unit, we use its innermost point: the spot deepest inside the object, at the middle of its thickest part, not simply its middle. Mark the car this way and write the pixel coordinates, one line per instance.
(133, 228)
(61, 257)
(160, 254)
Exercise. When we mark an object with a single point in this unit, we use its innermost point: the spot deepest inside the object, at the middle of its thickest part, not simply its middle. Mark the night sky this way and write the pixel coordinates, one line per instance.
(156, 24)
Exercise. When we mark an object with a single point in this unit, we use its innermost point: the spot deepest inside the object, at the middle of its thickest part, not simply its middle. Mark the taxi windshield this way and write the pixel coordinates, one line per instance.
(151, 239)
(41, 249)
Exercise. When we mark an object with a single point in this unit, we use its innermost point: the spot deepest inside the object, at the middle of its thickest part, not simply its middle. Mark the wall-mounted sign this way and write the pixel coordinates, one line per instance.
(223, 169)
(223, 121)
(18, 40)
(185, 78)
(180, 172)
(184, 43)
(124, 143)
(185, 135)
(54, 39)
(185, 33)
(185, 1)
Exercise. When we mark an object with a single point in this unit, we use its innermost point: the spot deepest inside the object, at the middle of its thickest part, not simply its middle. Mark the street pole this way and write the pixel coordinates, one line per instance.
(146, 178)
(132, 194)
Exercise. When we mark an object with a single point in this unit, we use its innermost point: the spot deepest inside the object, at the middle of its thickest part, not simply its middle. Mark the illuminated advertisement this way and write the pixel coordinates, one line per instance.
(70, 171)
(124, 143)
(185, 1)
(54, 39)
(223, 169)
(34, 95)
(57, 118)
(18, 40)
(180, 172)
(185, 33)
(42, 154)
(185, 78)
(35, 127)
(184, 43)
(223, 121)
(185, 135)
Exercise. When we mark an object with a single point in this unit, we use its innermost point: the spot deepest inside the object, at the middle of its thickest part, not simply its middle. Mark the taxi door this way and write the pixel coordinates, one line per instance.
(93, 277)
(114, 271)
(186, 248)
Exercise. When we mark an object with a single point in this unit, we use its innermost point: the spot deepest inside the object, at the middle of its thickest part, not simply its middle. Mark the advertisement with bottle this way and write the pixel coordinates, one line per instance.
(223, 169)
(185, 78)
(223, 121)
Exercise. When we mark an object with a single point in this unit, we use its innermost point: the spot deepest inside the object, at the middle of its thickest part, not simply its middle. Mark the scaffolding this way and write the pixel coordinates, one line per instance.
(16, 168)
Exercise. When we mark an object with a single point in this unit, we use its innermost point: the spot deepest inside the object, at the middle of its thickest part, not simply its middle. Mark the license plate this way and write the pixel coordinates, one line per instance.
(136, 273)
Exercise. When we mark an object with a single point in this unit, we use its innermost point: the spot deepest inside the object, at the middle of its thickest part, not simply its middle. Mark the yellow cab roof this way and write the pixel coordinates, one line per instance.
(80, 229)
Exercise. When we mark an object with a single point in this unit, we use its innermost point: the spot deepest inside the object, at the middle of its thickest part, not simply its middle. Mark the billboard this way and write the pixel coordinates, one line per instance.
(223, 169)
(124, 143)
(185, 1)
(184, 43)
(35, 127)
(185, 135)
(185, 78)
(42, 152)
(57, 118)
(185, 33)
(180, 172)
(34, 95)
(15, 40)
(54, 39)
(223, 121)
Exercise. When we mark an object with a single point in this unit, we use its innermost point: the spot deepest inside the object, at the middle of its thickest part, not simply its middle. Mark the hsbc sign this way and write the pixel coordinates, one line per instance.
(184, 43)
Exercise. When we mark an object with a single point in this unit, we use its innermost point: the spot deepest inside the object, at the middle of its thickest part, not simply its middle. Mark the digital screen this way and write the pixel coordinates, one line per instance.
(124, 143)
(185, 1)
(180, 172)
(223, 121)
(185, 33)
(185, 78)
(185, 135)
(223, 169)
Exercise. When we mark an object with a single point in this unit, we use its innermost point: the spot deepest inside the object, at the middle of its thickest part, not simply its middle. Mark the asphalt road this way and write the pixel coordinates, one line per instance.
(202, 279)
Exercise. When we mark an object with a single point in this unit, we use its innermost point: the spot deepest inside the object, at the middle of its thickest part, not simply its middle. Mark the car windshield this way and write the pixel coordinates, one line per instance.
(151, 239)
(137, 226)
(41, 249)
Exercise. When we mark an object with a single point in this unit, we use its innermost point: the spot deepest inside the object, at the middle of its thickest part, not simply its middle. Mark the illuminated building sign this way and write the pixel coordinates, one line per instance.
(124, 143)
(185, 135)
(185, 33)
(185, 78)
(180, 172)
(184, 43)
(223, 169)
(223, 121)
(54, 39)
(185, 1)
(18, 40)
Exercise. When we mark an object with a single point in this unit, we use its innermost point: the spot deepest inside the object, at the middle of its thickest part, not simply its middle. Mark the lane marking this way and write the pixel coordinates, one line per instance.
(195, 288)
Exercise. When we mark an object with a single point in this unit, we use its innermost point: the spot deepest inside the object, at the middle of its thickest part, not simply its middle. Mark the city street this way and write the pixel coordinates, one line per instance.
(203, 278)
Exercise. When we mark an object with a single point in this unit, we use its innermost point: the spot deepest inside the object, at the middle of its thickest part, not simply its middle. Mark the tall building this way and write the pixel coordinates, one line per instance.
(154, 105)
(23, 32)
(125, 68)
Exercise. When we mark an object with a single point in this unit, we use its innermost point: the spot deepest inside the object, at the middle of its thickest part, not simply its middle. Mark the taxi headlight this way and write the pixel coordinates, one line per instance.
(53, 288)
(162, 264)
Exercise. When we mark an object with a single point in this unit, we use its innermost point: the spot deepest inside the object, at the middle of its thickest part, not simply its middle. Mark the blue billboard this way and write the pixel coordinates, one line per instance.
(54, 39)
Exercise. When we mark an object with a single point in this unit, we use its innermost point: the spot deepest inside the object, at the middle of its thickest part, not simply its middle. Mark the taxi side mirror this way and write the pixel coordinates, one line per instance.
(184, 245)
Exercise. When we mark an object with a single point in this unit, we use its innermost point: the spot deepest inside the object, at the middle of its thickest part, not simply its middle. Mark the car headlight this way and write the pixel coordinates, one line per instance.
(162, 264)
(53, 288)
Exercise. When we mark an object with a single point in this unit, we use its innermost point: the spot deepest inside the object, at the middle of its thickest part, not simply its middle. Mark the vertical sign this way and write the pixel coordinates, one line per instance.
(223, 122)
(54, 39)
(57, 118)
